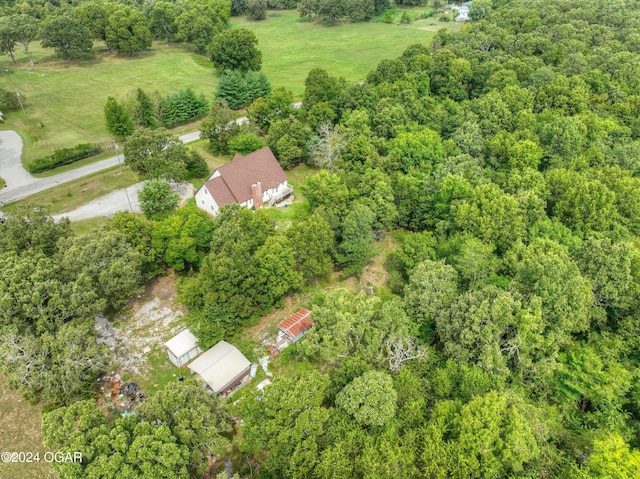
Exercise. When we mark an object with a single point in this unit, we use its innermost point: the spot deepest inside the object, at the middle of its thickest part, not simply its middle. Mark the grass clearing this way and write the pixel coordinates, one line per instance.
(20, 426)
(299, 209)
(213, 161)
(297, 175)
(291, 46)
(71, 195)
(86, 226)
(160, 372)
(2, 183)
(286, 214)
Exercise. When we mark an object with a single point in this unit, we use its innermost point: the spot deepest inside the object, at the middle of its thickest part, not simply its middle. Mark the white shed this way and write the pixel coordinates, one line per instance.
(182, 348)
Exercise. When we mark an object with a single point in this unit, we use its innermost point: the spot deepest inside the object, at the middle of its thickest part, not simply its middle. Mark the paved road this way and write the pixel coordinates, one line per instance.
(11, 169)
(119, 200)
(21, 184)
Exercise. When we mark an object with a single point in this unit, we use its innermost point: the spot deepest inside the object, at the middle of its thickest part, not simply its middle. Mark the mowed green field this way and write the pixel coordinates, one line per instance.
(65, 103)
(291, 46)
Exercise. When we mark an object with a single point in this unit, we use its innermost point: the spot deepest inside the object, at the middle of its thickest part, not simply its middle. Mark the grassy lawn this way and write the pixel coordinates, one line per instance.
(299, 209)
(64, 104)
(291, 46)
(285, 215)
(213, 161)
(86, 226)
(20, 426)
(2, 183)
(160, 372)
(297, 175)
(69, 196)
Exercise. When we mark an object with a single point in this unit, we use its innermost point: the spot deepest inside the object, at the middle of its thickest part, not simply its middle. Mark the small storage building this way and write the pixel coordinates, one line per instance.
(182, 348)
(293, 328)
(223, 368)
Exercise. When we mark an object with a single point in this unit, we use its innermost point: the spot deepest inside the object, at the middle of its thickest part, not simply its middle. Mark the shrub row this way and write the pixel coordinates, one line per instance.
(63, 156)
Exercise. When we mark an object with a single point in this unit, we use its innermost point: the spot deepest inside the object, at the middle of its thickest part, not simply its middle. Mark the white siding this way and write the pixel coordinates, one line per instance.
(205, 201)
(173, 359)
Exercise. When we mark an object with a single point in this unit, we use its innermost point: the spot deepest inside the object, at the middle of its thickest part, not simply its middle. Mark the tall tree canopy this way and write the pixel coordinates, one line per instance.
(67, 35)
(236, 49)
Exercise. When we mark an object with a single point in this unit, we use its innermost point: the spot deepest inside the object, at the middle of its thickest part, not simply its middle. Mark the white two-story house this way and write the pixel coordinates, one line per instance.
(250, 181)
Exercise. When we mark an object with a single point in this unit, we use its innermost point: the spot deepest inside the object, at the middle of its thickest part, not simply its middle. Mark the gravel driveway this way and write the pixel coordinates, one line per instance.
(119, 200)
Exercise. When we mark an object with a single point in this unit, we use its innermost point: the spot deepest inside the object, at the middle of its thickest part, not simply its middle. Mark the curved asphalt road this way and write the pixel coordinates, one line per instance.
(11, 169)
(21, 184)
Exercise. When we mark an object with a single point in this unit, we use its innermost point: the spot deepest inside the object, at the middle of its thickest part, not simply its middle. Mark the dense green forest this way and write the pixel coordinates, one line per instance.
(505, 160)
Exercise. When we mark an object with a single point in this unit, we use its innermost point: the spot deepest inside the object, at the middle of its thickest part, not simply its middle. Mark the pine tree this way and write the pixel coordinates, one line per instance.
(119, 122)
(257, 85)
(233, 88)
(145, 115)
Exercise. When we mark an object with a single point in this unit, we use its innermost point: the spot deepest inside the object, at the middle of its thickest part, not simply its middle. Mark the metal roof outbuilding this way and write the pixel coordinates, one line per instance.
(182, 348)
(221, 367)
(296, 325)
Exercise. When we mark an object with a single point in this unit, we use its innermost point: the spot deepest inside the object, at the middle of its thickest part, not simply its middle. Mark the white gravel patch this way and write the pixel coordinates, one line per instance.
(138, 334)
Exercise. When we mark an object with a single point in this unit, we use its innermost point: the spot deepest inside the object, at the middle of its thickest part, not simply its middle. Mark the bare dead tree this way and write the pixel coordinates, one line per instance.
(327, 147)
(401, 350)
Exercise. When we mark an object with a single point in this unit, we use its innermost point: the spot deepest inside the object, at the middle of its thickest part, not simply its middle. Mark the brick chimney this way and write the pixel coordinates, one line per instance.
(256, 194)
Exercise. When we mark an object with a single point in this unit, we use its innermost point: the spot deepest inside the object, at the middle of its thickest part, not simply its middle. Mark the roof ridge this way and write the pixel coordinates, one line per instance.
(229, 188)
(301, 314)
